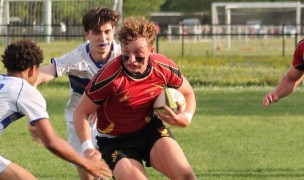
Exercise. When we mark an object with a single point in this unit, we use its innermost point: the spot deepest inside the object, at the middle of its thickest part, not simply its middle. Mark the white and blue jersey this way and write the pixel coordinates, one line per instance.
(80, 68)
(17, 99)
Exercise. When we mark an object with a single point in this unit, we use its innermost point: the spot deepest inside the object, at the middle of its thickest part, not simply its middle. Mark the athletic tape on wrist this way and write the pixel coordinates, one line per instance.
(189, 116)
(87, 144)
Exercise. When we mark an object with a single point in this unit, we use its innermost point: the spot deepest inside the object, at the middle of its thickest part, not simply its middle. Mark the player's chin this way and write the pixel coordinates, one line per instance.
(132, 69)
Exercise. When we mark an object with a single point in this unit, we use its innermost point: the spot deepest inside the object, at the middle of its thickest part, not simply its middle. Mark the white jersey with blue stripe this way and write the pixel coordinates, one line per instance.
(17, 99)
(80, 68)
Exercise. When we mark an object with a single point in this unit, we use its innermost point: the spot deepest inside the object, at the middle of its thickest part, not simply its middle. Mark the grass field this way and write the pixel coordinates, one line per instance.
(231, 137)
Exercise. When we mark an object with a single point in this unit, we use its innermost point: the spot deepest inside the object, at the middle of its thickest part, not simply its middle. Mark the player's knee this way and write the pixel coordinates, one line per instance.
(185, 173)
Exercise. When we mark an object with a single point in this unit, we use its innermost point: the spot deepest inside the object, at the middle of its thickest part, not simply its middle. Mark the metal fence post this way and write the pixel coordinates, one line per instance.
(183, 34)
(283, 39)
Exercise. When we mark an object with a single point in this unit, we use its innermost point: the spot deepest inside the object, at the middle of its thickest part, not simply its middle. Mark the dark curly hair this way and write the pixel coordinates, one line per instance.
(97, 17)
(20, 55)
(135, 28)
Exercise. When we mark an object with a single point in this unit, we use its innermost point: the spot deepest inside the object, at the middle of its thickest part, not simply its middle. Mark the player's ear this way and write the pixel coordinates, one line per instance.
(86, 34)
(32, 70)
(152, 50)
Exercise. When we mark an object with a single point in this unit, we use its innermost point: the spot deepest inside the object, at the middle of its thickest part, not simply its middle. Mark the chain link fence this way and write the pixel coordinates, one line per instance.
(46, 20)
(184, 44)
(35, 20)
(281, 42)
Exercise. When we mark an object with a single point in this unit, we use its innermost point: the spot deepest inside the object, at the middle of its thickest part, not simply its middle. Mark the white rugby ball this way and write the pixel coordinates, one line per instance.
(169, 97)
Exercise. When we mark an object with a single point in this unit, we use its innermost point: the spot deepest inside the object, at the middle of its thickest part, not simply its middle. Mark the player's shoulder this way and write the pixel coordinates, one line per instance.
(300, 44)
(30, 93)
(116, 62)
(112, 67)
(161, 60)
(80, 49)
(14, 86)
(76, 55)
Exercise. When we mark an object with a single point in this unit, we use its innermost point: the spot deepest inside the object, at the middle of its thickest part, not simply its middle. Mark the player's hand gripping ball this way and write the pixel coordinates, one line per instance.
(170, 97)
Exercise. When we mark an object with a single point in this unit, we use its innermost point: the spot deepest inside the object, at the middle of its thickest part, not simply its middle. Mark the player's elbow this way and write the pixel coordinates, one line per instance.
(186, 124)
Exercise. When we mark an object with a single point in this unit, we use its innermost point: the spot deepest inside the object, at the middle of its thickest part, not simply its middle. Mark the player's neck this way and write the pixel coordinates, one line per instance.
(101, 57)
(15, 74)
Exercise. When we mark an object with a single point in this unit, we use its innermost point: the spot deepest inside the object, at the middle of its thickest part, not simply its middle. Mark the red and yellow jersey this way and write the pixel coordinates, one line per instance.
(298, 56)
(126, 101)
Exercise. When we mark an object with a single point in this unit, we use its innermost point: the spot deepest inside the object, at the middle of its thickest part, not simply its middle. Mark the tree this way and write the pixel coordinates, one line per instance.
(141, 8)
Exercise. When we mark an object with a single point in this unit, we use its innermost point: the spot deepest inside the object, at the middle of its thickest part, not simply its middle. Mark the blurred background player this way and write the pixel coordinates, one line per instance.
(82, 64)
(123, 93)
(20, 98)
(291, 80)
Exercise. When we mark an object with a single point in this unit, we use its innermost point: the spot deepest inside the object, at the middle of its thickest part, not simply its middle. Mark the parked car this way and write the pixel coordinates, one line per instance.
(253, 26)
(56, 29)
(192, 26)
(290, 30)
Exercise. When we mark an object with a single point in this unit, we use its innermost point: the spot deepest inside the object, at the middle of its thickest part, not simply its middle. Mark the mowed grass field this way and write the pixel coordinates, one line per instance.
(231, 136)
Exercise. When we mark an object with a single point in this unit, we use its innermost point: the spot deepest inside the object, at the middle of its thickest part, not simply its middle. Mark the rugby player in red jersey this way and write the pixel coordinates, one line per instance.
(123, 93)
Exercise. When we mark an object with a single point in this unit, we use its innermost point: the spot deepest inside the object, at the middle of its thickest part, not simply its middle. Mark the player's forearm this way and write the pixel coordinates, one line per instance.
(285, 87)
(82, 126)
(190, 102)
(63, 150)
(46, 73)
(189, 95)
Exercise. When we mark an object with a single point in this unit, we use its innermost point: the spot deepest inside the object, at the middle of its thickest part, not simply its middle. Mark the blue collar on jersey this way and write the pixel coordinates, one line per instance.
(99, 64)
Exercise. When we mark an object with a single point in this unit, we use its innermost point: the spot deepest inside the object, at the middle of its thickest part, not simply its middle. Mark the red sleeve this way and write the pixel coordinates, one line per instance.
(169, 69)
(298, 61)
(102, 85)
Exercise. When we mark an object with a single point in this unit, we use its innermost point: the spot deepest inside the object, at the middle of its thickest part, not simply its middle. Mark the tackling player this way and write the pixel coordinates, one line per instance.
(19, 98)
(82, 64)
(123, 93)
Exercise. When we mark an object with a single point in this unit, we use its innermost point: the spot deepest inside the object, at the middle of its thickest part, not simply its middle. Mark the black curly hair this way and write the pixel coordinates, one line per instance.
(20, 55)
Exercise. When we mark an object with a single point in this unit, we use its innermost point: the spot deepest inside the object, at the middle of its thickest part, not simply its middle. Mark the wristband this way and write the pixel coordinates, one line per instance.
(189, 116)
(87, 144)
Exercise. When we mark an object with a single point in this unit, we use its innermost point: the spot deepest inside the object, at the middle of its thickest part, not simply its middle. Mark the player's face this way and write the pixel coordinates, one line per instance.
(135, 55)
(100, 40)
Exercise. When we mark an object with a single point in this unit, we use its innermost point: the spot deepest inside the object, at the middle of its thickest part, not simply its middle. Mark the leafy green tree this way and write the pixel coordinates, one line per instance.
(140, 7)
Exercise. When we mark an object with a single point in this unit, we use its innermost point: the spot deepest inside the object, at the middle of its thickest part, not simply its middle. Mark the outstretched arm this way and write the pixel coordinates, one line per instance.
(45, 74)
(288, 83)
(62, 149)
(82, 112)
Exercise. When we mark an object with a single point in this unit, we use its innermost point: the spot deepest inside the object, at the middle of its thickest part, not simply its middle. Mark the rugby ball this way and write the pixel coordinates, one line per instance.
(169, 97)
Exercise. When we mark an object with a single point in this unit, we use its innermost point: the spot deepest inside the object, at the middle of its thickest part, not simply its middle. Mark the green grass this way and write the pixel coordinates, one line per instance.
(231, 137)
(235, 68)
(239, 45)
